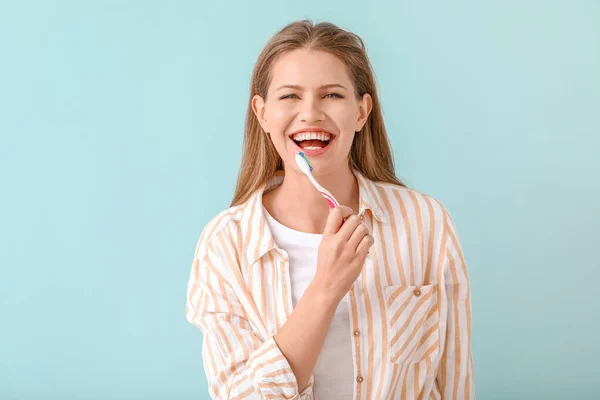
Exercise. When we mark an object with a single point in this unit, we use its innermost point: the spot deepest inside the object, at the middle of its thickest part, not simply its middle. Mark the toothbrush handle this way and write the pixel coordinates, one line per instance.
(331, 201)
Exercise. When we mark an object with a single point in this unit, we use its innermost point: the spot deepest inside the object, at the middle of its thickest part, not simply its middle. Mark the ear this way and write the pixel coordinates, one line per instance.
(258, 106)
(364, 110)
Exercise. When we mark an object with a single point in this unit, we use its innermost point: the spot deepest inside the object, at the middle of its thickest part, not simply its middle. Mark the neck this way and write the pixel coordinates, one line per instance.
(297, 204)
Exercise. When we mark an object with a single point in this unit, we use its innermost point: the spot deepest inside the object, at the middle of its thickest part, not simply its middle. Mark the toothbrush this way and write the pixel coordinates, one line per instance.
(305, 167)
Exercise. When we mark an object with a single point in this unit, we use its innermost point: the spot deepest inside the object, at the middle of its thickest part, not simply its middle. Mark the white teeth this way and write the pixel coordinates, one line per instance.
(311, 136)
(312, 148)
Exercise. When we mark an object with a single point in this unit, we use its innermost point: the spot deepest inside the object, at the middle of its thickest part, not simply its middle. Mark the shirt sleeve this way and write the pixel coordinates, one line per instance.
(237, 362)
(455, 375)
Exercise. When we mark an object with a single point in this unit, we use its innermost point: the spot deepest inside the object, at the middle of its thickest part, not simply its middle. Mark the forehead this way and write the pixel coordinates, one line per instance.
(309, 68)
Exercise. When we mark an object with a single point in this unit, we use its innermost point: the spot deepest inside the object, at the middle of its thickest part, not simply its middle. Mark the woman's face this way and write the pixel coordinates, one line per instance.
(312, 90)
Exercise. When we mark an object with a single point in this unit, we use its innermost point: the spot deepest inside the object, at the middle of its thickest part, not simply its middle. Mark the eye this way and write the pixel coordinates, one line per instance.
(335, 95)
(287, 96)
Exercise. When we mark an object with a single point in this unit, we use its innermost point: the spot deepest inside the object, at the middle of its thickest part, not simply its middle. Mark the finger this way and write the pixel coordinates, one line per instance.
(357, 236)
(349, 227)
(364, 246)
(336, 219)
(346, 211)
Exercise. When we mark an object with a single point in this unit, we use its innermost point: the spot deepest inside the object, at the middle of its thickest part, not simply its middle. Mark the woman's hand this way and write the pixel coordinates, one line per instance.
(342, 253)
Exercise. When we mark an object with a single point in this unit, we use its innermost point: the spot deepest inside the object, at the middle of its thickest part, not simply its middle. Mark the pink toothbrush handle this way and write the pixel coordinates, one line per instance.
(331, 202)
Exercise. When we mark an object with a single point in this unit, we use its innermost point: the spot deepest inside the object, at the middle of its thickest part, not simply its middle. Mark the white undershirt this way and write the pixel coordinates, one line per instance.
(334, 370)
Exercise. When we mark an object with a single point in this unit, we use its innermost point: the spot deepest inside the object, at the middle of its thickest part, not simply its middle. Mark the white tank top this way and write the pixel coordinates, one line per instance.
(334, 370)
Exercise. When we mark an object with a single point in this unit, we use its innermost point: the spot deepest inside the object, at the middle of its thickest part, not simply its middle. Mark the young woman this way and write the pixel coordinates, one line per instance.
(369, 300)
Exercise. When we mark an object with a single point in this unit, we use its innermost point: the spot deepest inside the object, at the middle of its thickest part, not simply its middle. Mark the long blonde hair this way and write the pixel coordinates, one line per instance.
(370, 153)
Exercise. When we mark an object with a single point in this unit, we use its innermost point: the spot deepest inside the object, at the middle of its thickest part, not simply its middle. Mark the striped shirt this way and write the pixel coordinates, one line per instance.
(410, 308)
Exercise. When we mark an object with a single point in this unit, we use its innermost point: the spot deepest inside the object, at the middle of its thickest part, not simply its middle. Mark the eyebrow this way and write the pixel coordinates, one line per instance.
(300, 87)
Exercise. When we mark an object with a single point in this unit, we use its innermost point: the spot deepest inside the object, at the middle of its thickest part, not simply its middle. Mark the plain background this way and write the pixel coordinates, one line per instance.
(121, 128)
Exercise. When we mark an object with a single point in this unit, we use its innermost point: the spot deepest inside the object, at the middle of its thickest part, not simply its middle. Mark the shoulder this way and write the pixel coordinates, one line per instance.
(401, 196)
(413, 206)
(221, 229)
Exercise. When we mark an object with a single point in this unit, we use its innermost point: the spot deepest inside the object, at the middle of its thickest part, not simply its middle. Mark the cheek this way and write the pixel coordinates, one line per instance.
(278, 113)
(278, 119)
(346, 123)
(345, 116)
(281, 116)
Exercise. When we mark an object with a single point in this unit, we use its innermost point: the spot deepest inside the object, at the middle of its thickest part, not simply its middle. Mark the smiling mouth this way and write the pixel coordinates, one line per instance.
(312, 140)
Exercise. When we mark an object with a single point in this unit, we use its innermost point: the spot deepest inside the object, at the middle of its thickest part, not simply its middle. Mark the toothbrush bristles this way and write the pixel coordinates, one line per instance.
(307, 160)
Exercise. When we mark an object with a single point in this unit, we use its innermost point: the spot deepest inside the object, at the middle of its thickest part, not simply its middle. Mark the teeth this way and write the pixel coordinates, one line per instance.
(312, 148)
(311, 136)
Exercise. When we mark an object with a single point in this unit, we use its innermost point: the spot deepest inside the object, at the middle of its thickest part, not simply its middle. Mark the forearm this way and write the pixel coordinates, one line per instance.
(301, 338)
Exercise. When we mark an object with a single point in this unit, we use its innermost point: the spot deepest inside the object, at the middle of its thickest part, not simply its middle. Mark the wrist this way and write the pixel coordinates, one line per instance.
(323, 296)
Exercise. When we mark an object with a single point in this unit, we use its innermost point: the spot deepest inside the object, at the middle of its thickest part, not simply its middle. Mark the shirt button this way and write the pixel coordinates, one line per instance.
(417, 292)
(356, 333)
(359, 379)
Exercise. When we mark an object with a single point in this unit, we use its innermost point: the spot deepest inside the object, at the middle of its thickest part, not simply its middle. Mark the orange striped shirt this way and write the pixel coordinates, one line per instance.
(410, 309)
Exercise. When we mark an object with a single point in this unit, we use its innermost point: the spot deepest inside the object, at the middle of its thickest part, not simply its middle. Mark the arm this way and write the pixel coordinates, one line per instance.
(455, 376)
(302, 337)
(237, 362)
(342, 253)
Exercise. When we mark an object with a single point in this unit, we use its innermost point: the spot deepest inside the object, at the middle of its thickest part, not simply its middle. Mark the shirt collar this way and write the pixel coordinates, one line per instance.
(370, 198)
(254, 225)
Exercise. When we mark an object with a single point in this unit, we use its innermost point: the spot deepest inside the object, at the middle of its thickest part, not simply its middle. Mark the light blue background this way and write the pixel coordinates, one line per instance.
(121, 126)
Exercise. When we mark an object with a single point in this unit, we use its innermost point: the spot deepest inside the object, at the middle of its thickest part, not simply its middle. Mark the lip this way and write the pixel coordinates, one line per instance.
(310, 153)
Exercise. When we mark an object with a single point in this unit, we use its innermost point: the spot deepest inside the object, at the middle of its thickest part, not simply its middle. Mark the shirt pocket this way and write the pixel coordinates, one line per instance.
(413, 315)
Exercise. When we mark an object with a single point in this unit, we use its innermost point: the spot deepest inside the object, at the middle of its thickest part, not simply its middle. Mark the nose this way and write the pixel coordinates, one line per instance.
(311, 111)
